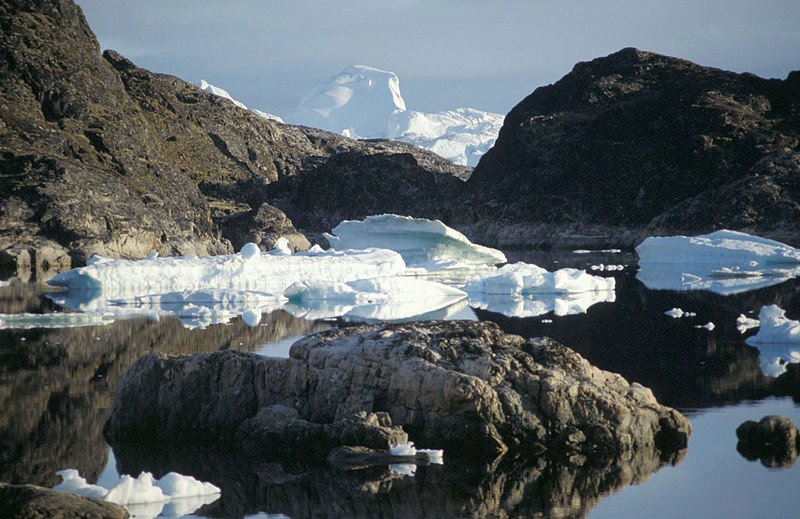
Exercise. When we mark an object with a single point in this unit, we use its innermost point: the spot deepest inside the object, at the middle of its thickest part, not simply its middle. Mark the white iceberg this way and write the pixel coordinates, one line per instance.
(725, 262)
(533, 305)
(434, 456)
(366, 300)
(145, 495)
(525, 279)
(220, 92)
(424, 243)
(106, 279)
(777, 340)
(677, 313)
(364, 102)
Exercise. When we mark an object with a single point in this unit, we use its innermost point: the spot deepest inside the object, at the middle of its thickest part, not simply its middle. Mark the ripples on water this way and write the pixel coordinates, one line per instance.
(57, 388)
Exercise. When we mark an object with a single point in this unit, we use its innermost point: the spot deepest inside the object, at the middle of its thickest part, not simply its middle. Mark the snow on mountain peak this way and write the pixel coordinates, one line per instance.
(365, 102)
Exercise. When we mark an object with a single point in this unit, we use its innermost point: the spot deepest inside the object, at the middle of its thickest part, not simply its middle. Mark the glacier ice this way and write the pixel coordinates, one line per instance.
(725, 262)
(145, 496)
(365, 102)
(777, 340)
(526, 279)
(429, 244)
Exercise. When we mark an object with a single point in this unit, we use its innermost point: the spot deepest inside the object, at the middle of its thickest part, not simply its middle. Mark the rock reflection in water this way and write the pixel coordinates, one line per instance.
(534, 487)
(685, 367)
(56, 386)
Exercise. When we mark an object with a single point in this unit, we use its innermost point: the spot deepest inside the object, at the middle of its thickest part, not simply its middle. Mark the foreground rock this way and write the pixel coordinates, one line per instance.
(774, 440)
(461, 386)
(32, 502)
(636, 144)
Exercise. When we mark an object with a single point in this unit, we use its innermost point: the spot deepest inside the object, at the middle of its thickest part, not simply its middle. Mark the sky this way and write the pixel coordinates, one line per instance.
(484, 54)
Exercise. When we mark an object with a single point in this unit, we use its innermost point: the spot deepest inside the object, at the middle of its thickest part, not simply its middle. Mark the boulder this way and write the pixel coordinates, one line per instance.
(32, 502)
(774, 440)
(466, 387)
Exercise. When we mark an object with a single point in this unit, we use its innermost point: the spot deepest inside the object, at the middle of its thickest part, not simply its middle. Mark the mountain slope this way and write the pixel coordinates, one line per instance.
(100, 156)
(637, 143)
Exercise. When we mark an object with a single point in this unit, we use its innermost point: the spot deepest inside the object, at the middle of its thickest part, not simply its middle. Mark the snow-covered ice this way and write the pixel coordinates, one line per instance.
(429, 244)
(435, 456)
(365, 102)
(171, 490)
(524, 279)
(106, 279)
(778, 340)
(725, 262)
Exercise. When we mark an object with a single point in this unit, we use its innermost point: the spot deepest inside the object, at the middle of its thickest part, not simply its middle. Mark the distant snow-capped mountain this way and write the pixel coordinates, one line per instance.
(365, 103)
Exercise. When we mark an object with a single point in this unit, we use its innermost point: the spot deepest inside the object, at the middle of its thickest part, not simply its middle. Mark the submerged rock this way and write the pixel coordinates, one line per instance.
(774, 440)
(461, 386)
(32, 502)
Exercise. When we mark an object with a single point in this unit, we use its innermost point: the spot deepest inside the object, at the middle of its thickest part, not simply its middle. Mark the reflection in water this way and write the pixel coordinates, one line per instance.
(56, 386)
(686, 367)
(527, 487)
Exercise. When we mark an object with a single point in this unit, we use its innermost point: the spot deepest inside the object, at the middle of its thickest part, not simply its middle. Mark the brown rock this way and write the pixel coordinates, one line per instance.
(32, 502)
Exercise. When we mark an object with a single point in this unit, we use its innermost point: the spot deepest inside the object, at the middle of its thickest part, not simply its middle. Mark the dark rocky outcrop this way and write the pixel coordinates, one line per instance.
(461, 386)
(100, 156)
(32, 502)
(636, 144)
(774, 440)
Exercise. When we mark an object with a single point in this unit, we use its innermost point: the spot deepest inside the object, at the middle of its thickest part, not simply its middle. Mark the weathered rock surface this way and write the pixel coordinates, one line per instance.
(461, 386)
(100, 156)
(774, 440)
(32, 502)
(635, 144)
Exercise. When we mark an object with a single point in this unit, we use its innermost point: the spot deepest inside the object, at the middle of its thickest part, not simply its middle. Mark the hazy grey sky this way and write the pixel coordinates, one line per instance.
(448, 53)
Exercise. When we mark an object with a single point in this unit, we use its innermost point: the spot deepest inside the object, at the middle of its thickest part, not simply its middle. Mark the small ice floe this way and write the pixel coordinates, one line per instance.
(434, 456)
(708, 326)
(281, 247)
(744, 323)
(181, 493)
(725, 262)
(54, 320)
(547, 321)
(533, 305)
(418, 240)
(524, 278)
(777, 340)
(385, 299)
(597, 251)
(677, 313)
(602, 267)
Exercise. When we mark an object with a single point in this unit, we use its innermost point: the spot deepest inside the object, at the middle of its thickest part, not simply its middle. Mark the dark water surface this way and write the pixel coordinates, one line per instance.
(56, 389)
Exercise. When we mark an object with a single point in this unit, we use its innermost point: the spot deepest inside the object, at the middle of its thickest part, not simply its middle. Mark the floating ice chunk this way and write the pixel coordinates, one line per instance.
(524, 278)
(744, 323)
(281, 247)
(250, 251)
(725, 262)
(677, 313)
(251, 271)
(54, 320)
(145, 496)
(403, 449)
(72, 482)
(418, 240)
(708, 326)
(778, 340)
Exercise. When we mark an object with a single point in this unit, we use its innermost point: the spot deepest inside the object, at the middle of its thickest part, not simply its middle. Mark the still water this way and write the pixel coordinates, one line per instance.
(56, 389)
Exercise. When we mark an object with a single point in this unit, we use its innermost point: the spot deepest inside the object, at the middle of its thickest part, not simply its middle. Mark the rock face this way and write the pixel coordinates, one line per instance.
(461, 386)
(635, 144)
(100, 156)
(32, 502)
(774, 440)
